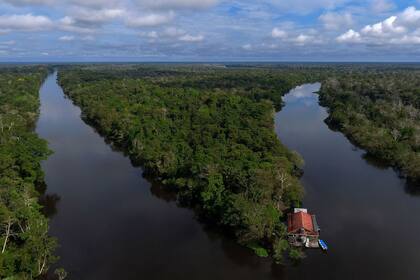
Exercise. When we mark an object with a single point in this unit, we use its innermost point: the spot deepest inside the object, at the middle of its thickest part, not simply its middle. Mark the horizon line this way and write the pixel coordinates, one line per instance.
(206, 62)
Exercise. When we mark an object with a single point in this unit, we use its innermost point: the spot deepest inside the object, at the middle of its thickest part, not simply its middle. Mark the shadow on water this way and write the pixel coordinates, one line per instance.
(47, 201)
(411, 187)
(374, 161)
(360, 202)
(159, 190)
(49, 204)
(113, 222)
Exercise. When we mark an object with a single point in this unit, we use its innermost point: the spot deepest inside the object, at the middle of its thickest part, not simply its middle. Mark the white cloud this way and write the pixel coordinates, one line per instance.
(69, 24)
(177, 4)
(66, 38)
(401, 28)
(94, 16)
(234, 28)
(409, 17)
(303, 39)
(278, 33)
(295, 36)
(335, 21)
(27, 2)
(26, 22)
(79, 19)
(383, 28)
(171, 33)
(350, 36)
(413, 39)
(149, 20)
(95, 3)
(191, 38)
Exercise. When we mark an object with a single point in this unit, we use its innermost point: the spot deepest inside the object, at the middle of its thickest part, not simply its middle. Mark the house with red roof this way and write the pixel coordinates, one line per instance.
(302, 228)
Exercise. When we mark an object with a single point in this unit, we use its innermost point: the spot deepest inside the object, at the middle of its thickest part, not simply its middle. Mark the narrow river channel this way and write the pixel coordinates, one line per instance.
(368, 216)
(111, 223)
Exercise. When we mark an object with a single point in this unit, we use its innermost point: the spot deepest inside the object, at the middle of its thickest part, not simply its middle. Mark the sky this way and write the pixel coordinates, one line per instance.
(209, 30)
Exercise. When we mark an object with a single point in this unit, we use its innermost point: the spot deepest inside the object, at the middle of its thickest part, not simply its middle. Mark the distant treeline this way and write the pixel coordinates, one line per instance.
(26, 250)
(379, 109)
(207, 133)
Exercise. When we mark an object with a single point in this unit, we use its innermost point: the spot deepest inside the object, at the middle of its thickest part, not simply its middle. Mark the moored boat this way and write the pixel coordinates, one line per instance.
(322, 244)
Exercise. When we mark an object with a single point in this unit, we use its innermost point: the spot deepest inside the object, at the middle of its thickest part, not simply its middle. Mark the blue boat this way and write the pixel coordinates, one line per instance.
(323, 245)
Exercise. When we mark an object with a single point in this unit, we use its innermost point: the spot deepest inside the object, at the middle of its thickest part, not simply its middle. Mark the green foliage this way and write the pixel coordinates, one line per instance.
(208, 132)
(379, 110)
(25, 247)
(280, 248)
(296, 254)
(258, 250)
(60, 273)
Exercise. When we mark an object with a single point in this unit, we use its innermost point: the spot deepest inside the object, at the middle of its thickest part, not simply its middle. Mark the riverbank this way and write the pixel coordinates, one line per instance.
(26, 249)
(379, 111)
(112, 223)
(354, 199)
(217, 150)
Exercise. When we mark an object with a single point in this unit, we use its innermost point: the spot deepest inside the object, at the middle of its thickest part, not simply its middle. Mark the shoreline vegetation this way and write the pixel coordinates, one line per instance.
(206, 133)
(26, 250)
(379, 110)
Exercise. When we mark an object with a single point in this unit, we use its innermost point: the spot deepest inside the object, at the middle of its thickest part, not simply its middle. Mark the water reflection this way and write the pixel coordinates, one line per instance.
(374, 161)
(303, 95)
(47, 201)
(360, 204)
(161, 191)
(412, 188)
(49, 204)
(112, 223)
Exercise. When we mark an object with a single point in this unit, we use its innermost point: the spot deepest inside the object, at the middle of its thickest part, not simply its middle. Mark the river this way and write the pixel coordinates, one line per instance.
(111, 223)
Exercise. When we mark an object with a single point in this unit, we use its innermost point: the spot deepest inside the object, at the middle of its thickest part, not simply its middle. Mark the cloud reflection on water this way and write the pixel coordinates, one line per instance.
(303, 94)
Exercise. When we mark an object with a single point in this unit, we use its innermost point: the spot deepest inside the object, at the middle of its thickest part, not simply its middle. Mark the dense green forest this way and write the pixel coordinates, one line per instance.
(379, 109)
(206, 133)
(26, 249)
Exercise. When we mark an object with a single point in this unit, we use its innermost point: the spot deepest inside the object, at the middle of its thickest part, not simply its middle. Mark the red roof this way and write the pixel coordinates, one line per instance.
(300, 220)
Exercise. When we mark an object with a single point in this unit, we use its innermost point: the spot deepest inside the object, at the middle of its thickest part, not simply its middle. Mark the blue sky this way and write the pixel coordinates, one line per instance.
(209, 30)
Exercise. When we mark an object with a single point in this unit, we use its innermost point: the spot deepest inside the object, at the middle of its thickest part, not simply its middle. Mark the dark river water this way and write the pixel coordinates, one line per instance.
(111, 223)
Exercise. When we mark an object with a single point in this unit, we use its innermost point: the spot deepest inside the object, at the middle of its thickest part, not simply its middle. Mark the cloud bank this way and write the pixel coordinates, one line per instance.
(403, 28)
(211, 29)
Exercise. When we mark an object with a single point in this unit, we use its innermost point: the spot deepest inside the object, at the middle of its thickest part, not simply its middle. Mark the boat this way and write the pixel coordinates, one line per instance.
(323, 245)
